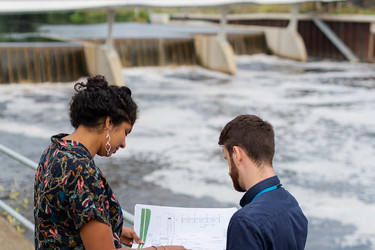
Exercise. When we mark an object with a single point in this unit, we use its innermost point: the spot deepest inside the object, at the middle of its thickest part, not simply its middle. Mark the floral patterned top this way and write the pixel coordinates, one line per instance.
(69, 191)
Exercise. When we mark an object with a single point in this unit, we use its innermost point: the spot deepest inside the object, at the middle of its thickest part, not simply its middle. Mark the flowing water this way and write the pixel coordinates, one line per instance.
(323, 113)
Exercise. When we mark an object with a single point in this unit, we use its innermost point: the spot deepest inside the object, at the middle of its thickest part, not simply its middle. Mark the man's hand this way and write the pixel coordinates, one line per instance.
(128, 235)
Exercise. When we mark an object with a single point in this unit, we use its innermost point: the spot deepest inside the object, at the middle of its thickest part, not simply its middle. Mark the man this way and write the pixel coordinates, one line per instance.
(270, 217)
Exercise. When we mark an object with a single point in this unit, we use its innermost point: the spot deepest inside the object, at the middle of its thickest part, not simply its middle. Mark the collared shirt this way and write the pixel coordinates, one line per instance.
(273, 220)
(69, 191)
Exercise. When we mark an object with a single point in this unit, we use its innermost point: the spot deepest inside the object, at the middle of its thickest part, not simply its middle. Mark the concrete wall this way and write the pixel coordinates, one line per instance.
(101, 61)
(286, 43)
(281, 41)
(215, 53)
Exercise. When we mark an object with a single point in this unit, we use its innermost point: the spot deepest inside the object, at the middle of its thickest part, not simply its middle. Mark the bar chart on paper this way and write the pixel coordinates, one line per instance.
(194, 228)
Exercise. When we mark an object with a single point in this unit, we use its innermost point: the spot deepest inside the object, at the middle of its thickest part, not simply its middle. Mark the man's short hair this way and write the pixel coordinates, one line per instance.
(255, 136)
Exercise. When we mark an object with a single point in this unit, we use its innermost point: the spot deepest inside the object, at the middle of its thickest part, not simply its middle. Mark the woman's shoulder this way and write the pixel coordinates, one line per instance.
(61, 162)
(81, 165)
(74, 148)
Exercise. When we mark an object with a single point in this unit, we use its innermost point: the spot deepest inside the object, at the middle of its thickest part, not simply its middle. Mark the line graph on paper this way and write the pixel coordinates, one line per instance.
(195, 228)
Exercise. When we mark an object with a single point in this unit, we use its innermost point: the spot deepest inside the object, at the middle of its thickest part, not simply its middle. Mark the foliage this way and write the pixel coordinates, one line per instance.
(22, 23)
(17, 204)
(58, 17)
(352, 7)
(347, 7)
(18, 23)
(363, 3)
(77, 18)
(136, 15)
(95, 17)
(81, 17)
(29, 22)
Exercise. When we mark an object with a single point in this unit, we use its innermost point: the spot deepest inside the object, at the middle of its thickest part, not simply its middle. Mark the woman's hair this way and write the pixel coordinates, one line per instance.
(253, 135)
(96, 100)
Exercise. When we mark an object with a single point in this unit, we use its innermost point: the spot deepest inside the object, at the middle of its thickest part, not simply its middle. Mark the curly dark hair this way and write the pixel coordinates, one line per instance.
(96, 100)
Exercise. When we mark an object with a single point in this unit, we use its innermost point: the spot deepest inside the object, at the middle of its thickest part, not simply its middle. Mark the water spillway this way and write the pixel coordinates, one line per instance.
(248, 44)
(65, 62)
(41, 62)
(356, 31)
(156, 52)
(179, 51)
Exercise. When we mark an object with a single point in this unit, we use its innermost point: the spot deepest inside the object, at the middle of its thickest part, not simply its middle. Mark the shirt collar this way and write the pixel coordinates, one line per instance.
(75, 146)
(254, 190)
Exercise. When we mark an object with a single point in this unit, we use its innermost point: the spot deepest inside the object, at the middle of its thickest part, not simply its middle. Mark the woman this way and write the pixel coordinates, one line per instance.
(74, 206)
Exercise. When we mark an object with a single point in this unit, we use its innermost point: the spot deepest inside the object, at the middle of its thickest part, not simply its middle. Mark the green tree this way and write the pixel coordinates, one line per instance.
(77, 17)
(95, 17)
(58, 17)
(18, 23)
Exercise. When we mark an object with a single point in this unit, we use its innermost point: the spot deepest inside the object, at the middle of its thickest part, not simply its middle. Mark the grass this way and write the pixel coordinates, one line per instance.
(331, 8)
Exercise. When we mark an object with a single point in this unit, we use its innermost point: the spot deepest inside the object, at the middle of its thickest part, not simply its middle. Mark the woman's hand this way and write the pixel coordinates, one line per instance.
(128, 235)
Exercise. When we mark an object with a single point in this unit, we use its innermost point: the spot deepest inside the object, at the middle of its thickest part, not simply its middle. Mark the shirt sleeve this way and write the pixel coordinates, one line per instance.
(243, 234)
(87, 197)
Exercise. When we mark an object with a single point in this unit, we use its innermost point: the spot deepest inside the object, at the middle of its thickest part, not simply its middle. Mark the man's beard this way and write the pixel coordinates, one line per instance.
(235, 176)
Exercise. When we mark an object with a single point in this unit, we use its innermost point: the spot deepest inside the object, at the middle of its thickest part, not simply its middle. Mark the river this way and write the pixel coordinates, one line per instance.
(323, 113)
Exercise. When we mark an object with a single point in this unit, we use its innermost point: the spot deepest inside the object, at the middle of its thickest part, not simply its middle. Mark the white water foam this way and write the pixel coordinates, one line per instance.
(322, 122)
(323, 115)
(35, 110)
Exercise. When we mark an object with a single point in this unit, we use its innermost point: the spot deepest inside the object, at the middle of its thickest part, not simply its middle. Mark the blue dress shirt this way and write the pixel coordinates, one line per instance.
(273, 220)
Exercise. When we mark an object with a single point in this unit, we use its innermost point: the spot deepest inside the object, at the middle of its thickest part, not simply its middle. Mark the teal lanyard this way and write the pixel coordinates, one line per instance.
(266, 190)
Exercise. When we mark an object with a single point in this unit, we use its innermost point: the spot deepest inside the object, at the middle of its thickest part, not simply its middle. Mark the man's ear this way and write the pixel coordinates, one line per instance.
(237, 154)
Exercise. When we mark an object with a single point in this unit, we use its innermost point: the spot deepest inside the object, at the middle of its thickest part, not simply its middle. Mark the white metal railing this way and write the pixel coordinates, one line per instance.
(128, 217)
(13, 154)
(17, 216)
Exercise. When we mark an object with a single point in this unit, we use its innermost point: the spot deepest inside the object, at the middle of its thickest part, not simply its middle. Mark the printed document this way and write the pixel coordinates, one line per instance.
(194, 228)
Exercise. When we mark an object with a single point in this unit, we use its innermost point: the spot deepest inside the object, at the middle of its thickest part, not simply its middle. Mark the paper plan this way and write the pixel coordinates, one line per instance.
(194, 228)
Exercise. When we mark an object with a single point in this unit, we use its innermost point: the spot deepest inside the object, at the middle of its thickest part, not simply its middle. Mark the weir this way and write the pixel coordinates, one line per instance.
(213, 52)
(356, 32)
(155, 52)
(65, 62)
(41, 62)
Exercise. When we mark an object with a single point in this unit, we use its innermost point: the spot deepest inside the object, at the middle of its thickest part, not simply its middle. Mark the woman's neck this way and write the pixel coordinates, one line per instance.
(89, 137)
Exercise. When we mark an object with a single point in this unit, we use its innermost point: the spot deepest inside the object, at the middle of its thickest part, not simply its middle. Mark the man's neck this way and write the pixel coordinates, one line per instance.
(259, 174)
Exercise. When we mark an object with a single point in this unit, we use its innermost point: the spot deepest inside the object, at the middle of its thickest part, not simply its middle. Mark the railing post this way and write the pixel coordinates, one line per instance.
(110, 20)
(128, 217)
(223, 22)
(293, 23)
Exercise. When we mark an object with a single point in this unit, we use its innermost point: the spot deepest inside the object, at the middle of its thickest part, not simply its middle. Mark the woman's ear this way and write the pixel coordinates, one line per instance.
(108, 123)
